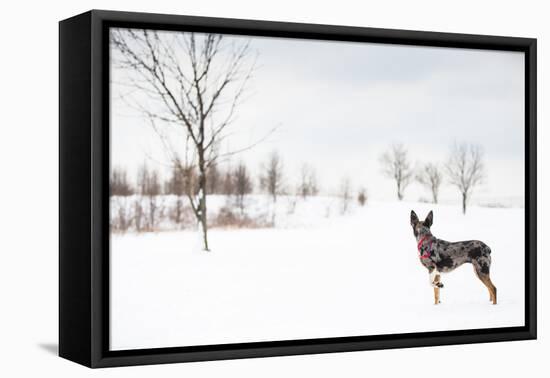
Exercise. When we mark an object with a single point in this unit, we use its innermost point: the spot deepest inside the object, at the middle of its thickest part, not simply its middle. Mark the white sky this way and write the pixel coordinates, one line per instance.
(339, 105)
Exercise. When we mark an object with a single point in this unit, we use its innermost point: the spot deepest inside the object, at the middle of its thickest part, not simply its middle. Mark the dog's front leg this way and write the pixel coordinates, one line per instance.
(435, 279)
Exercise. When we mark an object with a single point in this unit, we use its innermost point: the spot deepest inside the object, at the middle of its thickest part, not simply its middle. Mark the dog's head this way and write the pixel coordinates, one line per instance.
(421, 228)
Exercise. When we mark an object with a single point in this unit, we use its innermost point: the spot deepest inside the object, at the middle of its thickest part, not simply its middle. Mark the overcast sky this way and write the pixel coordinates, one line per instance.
(337, 106)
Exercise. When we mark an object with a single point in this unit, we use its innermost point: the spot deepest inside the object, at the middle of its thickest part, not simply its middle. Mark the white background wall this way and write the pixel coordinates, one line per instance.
(29, 186)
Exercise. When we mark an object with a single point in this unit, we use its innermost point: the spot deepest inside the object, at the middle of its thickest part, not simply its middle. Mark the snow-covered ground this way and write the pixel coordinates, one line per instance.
(316, 274)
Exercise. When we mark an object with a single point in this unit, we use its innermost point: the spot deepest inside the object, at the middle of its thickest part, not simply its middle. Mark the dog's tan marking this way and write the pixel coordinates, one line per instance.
(489, 284)
(492, 289)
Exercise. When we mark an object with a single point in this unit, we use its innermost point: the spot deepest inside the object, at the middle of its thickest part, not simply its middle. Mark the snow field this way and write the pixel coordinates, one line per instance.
(316, 274)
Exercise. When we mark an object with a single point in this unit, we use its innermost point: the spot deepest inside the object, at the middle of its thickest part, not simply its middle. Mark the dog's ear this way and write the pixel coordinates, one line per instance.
(414, 218)
(429, 219)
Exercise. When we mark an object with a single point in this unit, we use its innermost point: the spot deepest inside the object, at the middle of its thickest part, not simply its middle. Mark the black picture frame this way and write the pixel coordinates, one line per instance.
(83, 194)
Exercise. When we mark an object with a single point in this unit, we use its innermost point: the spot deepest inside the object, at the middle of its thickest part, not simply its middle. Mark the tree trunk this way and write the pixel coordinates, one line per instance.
(152, 210)
(241, 203)
(464, 198)
(273, 209)
(202, 200)
(399, 194)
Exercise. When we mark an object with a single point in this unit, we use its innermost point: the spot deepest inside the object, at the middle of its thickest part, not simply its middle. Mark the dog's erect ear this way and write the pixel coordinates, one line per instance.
(414, 218)
(429, 219)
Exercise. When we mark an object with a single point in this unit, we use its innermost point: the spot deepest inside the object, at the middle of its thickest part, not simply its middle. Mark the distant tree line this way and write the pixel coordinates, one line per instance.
(142, 205)
(464, 169)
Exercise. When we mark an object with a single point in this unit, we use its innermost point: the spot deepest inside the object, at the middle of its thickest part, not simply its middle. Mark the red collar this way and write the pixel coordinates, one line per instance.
(426, 254)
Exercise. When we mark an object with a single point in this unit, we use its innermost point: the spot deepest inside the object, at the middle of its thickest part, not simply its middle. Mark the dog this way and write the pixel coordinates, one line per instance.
(440, 256)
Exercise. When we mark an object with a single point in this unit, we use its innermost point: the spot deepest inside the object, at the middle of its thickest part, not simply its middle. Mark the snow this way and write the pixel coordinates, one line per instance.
(318, 273)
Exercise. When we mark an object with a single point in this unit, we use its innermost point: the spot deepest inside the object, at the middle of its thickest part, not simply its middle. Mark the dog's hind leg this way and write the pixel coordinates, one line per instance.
(478, 276)
(482, 272)
(492, 289)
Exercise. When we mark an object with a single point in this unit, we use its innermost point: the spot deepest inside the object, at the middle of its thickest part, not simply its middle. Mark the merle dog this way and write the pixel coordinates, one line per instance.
(440, 256)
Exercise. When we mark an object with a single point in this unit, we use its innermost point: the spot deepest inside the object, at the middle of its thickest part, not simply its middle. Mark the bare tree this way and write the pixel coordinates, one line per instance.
(243, 184)
(228, 184)
(150, 187)
(194, 82)
(177, 213)
(362, 197)
(465, 169)
(121, 219)
(138, 215)
(345, 194)
(119, 183)
(213, 180)
(179, 183)
(308, 182)
(272, 178)
(396, 165)
(431, 177)
(120, 188)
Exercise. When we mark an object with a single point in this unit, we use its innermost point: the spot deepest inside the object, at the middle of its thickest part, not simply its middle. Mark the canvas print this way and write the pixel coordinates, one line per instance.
(266, 189)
